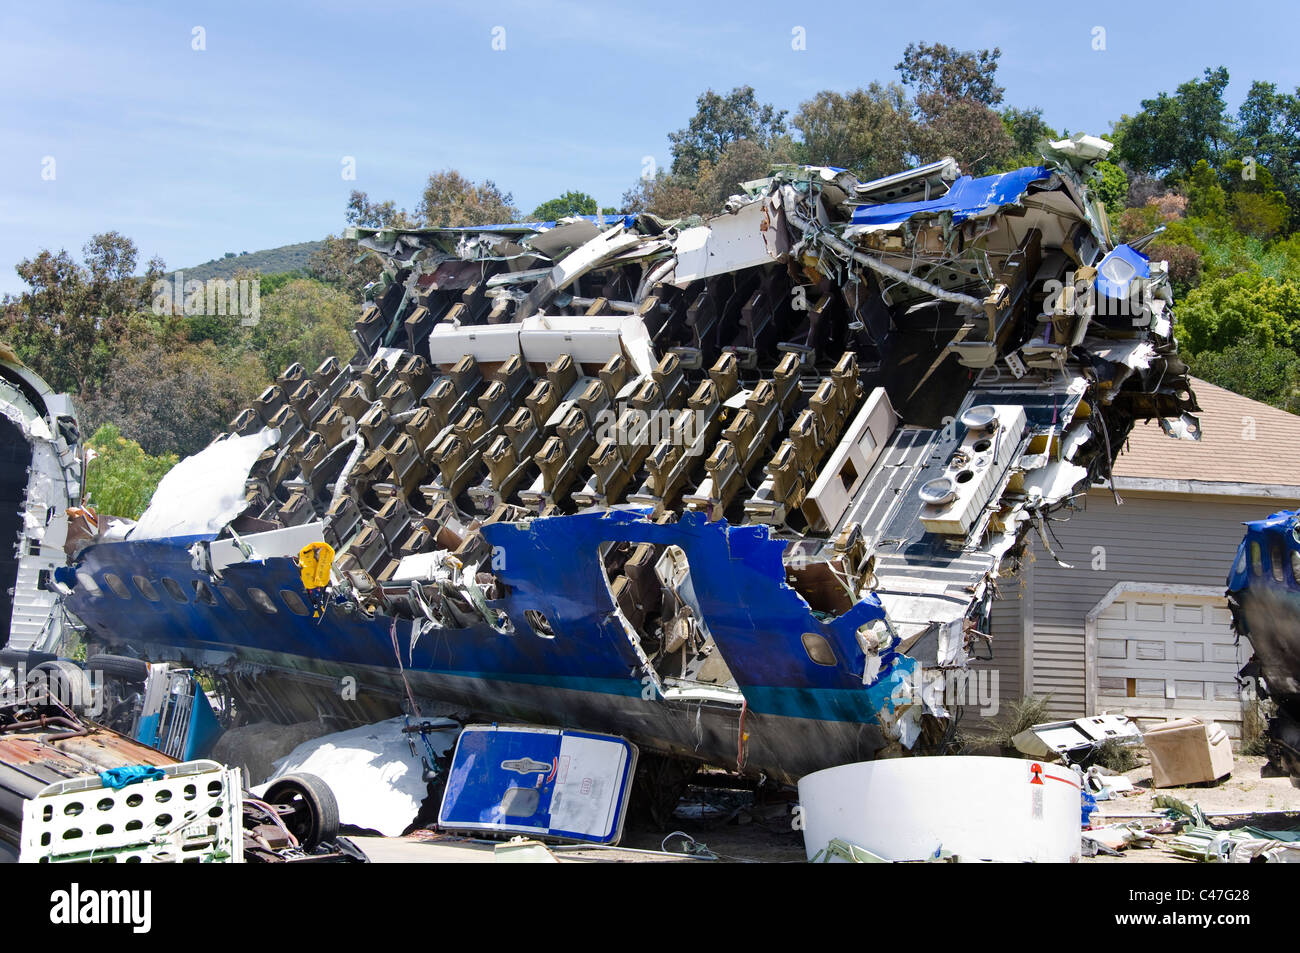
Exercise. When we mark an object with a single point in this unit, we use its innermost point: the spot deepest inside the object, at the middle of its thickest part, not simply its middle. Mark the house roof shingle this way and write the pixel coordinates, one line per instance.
(1242, 441)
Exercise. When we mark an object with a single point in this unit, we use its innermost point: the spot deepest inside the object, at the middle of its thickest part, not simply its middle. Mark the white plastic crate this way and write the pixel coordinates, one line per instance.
(193, 815)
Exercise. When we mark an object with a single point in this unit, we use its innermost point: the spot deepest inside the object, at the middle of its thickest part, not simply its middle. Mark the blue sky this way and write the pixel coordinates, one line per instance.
(240, 146)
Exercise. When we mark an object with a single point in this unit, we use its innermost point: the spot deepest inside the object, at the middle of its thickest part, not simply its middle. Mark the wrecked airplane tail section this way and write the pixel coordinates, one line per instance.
(741, 489)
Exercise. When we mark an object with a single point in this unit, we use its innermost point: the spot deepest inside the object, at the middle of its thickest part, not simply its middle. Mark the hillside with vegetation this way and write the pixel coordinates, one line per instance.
(1222, 187)
(287, 259)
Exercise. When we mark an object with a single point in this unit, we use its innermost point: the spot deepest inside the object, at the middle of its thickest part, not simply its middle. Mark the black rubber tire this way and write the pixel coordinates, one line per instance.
(119, 666)
(315, 816)
(66, 681)
(27, 659)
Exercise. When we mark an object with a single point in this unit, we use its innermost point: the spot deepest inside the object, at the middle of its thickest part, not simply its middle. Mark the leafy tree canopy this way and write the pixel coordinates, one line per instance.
(570, 203)
(867, 130)
(122, 478)
(61, 324)
(1246, 307)
(1267, 374)
(956, 91)
(450, 200)
(361, 211)
(719, 121)
(952, 74)
(1172, 133)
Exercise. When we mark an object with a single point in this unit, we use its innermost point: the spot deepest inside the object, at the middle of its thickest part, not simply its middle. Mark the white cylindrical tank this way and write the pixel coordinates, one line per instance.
(1000, 809)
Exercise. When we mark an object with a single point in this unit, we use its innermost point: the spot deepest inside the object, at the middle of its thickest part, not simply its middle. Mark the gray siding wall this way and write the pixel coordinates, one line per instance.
(1005, 627)
(1152, 538)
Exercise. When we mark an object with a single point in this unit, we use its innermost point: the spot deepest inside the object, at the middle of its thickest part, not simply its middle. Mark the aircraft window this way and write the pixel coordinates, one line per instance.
(115, 583)
(818, 649)
(541, 625)
(174, 590)
(262, 601)
(294, 602)
(234, 598)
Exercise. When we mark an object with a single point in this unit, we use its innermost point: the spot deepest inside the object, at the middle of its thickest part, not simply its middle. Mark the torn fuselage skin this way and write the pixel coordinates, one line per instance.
(553, 644)
(40, 480)
(739, 489)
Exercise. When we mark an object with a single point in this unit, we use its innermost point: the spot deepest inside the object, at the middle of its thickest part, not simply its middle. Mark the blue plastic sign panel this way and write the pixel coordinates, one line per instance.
(547, 782)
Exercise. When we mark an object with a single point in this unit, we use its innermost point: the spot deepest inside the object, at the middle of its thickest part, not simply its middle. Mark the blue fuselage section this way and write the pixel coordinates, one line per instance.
(585, 672)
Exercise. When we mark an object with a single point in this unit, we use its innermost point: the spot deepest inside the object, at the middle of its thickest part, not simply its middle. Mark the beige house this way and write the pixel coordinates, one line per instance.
(1139, 623)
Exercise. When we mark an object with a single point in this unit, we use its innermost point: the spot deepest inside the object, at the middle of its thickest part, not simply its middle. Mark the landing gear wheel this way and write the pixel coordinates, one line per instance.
(60, 681)
(314, 818)
(119, 666)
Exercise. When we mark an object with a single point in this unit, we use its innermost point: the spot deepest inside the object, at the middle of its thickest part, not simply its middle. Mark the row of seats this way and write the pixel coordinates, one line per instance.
(432, 438)
(795, 466)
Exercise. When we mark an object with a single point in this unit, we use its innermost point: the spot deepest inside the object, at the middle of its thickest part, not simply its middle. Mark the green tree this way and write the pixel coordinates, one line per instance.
(1172, 133)
(450, 200)
(1112, 187)
(1027, 129)
(965, 129)
(741, 161)
(1268, 130)
(672, 195)
(867, 130)
(1205, 196)
(1267, 374)
(956, 91)
(1256, 207)
(66, 324)
(171, 396)
(361, 211)
(1247, 307)
(269, 284)
(304, 321)
(122, 478)
(720, 120)
(1259, 214)
(664, 194)
(341, 263)
(936, 69)
(110, 259)
(570, 203)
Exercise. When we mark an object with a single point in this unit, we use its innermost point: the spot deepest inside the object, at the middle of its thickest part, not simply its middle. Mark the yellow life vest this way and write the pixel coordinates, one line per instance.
(314, 561)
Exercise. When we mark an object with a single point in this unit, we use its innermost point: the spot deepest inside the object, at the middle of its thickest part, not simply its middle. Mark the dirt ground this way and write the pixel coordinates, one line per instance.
(733, 825)
(1243, 790)
(1243, 798)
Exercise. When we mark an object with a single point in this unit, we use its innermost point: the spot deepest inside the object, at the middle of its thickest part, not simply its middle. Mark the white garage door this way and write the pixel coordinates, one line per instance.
(1171, 655)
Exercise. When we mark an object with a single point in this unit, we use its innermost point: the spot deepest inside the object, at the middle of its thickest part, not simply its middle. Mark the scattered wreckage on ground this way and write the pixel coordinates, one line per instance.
(740, 490)
(72, 790)
(1264, 596)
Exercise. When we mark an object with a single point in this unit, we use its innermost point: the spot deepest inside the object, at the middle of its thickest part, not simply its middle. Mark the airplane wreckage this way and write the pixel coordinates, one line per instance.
(739, 489)
(1264, 597)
